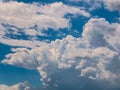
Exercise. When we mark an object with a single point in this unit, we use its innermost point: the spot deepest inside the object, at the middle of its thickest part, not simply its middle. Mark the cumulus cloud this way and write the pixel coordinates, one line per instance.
(19, 86)
(101, 30)
(18, 18)
(64, 64)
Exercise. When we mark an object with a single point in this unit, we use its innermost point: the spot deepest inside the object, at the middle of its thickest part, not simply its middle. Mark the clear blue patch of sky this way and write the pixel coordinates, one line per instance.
(4, 49)
(52, 34)
(11, 75)
(104, 13)
(77, 26)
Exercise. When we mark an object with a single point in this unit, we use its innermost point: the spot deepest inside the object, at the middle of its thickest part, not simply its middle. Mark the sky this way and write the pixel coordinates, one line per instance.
(59, 44)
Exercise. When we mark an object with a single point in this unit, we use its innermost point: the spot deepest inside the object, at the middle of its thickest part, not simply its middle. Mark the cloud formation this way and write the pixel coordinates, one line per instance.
(18, 18)
(93, 58)
(19, 86)
(112, 5)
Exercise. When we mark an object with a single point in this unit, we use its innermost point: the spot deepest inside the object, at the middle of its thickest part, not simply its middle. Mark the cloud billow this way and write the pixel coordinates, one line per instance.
(90, 62)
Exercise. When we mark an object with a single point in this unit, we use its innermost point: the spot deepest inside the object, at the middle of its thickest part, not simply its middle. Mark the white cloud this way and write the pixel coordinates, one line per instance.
(94, 56)
(28, 17)
(57, 10)
(25, 16)
(22, 43)
(31, 32)
(112, 5)
(99, 33)
(19, 86)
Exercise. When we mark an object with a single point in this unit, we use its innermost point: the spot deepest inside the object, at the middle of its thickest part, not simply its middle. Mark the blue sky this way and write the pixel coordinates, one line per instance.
(50, 43)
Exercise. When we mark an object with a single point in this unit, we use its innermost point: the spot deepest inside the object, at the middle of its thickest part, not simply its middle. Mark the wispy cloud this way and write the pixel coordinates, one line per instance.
(112, 5)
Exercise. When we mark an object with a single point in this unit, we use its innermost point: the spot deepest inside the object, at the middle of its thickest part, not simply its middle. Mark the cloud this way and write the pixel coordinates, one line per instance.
(19, 86)
(44, 16)
(111, 5)
(92, 4)
(64, 64)
(100, 30)
(22, 43)
(18, 19)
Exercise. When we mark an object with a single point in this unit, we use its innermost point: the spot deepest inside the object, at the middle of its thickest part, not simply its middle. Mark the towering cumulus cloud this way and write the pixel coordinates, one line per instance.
(85, 63)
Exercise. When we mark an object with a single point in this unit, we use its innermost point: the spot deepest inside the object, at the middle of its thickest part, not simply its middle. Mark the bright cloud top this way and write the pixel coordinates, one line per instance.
(95, 57)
